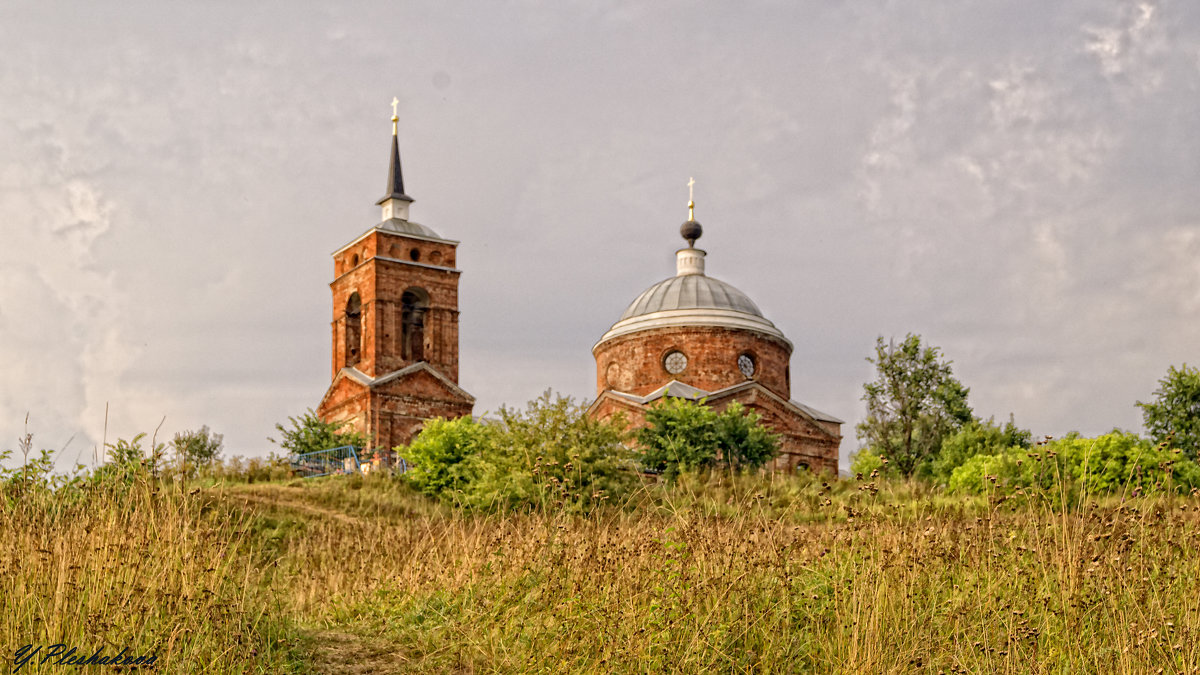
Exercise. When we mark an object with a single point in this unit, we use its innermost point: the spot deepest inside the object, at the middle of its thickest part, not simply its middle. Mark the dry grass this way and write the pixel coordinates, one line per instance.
(155, 571)
(746, 575)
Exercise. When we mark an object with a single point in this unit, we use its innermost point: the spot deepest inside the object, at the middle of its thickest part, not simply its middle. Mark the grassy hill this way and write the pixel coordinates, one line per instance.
(783, 574)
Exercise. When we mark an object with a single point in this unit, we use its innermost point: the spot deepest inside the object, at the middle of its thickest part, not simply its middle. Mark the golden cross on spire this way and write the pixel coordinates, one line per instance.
(395, 118)
(691, 202)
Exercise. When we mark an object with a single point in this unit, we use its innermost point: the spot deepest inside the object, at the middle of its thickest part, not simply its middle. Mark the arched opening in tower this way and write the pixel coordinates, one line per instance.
(414, 304)
(353, 329)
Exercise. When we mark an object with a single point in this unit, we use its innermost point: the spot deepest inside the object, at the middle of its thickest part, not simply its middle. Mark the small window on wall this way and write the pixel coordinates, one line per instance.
(354, 260)
(415, 255)
(746, 364)
(675, 362)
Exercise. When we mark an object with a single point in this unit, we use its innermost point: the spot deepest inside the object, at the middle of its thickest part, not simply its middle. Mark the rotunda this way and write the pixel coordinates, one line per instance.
(698, 337)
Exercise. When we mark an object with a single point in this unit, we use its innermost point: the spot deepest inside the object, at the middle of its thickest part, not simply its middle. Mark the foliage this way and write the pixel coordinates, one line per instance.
(310, 433)
(445, 456)
(1107, 463)
(128, 460)
(913, 405)
(977, 437)
(239, 469)
(683, 435)
(1175, 411)
(196, 450)
(866, 463)
(549, 455)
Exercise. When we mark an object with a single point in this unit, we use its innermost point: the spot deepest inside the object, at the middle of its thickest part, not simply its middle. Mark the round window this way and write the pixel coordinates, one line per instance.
(745, 363)
(675, 362)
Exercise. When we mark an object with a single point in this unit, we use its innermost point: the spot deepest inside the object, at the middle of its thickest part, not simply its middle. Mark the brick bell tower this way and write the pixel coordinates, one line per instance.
(395, 324)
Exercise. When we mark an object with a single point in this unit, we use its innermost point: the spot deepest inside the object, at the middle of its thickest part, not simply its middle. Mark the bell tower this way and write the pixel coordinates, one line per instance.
(395, 323)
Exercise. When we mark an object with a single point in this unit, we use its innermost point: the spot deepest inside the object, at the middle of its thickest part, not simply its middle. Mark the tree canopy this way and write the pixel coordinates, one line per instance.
(681, 435)
(913, 404)
(1175, 411)
(309, 433)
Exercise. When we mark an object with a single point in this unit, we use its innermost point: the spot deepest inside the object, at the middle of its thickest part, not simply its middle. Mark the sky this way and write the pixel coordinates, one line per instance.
(1014, 181)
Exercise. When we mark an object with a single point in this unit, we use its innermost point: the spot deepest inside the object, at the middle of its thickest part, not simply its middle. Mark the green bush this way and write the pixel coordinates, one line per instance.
(867, 463)
(446, 454)
(197, 450)
(310, 433)
(683, 435)
(976, 438)
(549, 455)
(1107, 463)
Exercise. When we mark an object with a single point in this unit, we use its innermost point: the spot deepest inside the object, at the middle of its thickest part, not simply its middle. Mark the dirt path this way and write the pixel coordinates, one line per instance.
(280, 498)
(339, 652)
(334, 650)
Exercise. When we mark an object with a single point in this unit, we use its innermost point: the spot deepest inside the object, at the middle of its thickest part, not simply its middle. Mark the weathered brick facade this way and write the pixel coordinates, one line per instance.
(391, 373)
(633, 363)
(700, 338)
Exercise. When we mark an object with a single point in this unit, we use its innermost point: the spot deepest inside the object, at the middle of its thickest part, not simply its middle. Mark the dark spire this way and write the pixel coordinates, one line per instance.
(395, 183)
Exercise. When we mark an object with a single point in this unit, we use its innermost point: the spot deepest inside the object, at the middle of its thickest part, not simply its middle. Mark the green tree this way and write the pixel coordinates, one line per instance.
(914, 403)
(197, 449)
(310, 433)
(1175, 411)
(682, 435)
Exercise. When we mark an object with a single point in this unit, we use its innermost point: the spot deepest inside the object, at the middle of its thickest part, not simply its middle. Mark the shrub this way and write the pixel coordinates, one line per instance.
(310, 433)
(549, 455)
(1107, 463)
(445, 455)
(977, 438)
(682, 435)
(196, 450)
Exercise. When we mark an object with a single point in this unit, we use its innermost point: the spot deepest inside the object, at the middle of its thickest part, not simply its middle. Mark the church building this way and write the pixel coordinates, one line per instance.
(395, 325)
(697, 337)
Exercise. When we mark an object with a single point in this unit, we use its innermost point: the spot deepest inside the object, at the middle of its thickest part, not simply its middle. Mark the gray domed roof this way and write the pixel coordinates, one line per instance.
(692, 291)
(692, 299)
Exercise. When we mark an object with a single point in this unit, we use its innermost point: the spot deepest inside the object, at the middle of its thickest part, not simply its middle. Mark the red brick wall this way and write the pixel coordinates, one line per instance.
(380, 282)
(380, 268)
(633, 363)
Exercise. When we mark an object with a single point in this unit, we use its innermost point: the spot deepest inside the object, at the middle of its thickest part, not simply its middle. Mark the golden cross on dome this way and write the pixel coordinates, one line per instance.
(395, 118)
(691, 202)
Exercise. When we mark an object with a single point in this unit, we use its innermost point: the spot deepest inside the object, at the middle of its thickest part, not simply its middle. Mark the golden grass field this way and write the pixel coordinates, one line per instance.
(720, 574)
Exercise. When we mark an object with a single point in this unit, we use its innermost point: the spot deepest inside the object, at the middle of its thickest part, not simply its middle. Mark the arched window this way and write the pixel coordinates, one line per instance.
(353, 329)
(414, 304)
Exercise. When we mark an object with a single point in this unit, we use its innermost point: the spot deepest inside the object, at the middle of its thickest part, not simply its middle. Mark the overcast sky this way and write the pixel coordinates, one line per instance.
(1014, 181)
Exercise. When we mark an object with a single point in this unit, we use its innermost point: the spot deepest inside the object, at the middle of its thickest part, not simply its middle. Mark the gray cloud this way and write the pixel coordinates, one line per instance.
(1013, 181)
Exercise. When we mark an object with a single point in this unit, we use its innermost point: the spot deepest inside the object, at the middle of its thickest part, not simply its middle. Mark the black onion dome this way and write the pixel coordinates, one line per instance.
(691, 231)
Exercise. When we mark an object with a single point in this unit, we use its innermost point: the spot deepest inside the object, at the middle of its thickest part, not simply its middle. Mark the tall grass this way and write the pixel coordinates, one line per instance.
(714, 573)
(137, 566)
(753, 575)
